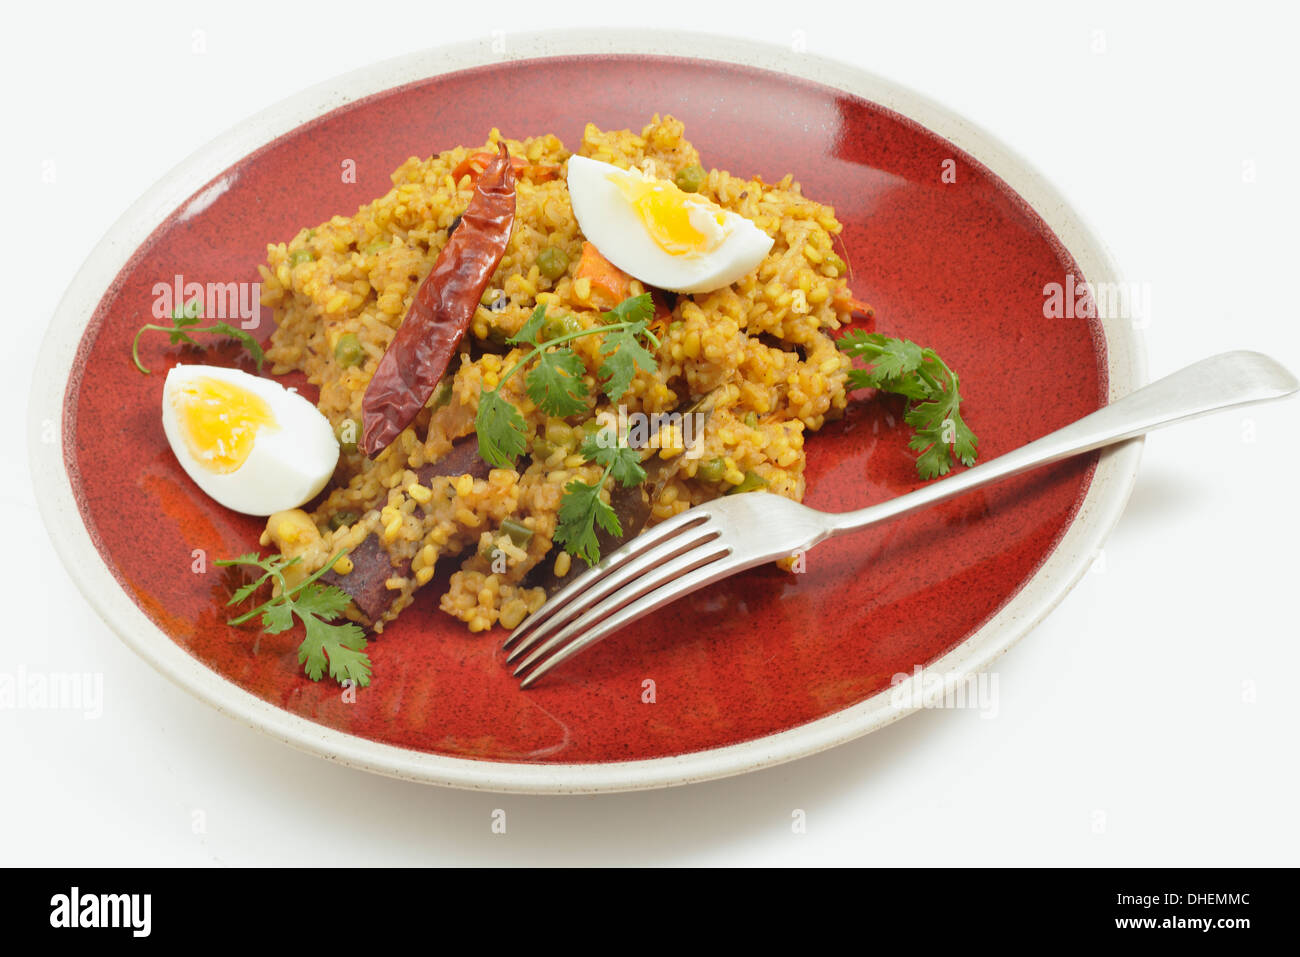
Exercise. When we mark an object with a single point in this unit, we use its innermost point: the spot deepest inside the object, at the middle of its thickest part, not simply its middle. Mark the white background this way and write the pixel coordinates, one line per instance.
(1150, 720)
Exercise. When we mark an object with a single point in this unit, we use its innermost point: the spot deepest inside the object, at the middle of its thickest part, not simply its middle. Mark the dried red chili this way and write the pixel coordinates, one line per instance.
(441, 311)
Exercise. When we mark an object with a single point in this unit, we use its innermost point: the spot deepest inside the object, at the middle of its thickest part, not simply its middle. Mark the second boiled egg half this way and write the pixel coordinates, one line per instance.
(660, 234)
(249, 443)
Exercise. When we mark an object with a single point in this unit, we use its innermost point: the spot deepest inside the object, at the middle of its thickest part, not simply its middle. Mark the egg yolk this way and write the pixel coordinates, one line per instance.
(679, 223)
(220, 421)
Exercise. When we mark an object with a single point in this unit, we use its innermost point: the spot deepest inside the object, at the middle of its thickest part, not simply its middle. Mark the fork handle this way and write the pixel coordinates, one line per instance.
(1220, 382)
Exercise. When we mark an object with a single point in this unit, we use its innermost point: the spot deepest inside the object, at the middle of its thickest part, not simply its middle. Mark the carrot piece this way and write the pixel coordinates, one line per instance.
(609, 284)
(857, 306)
(541, 172)
(475, 163)
(662, 315)
(662, 312)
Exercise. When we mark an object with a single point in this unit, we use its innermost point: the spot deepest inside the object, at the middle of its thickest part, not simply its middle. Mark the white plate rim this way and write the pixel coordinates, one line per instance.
(1060, 571)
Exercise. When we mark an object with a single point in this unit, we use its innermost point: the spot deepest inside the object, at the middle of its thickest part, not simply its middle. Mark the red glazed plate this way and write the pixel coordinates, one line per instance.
(763, 668)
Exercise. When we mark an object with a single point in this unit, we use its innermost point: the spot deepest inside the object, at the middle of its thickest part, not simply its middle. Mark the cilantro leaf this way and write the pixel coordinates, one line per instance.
(633, 309)
(624, 352)
(933, 410)
(270, 566)
(909, 387)
(184, 321)
(338, 647)
(555, 383)
(188, 314)
(624, 463)
(607, 519)
(501, 431)
(277, 618)
(933, 462)
(580, 510)
(529, 331)
(890, 358)
(964, 440)
(245, 591)
(253, 347)
(311, 655)
(324, 600)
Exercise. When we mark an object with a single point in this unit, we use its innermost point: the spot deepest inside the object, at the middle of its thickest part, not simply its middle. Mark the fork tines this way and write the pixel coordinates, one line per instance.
(651, 570)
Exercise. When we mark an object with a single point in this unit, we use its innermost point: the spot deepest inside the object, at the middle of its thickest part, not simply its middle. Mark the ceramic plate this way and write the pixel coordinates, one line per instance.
(766, 667)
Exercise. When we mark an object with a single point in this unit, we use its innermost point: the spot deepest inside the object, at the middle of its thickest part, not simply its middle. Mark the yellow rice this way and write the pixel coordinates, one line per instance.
(759, 347)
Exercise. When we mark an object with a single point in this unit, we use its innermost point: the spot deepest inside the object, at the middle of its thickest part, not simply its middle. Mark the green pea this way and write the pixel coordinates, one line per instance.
(689, 179)
(441, 395)
(552, 262)
(751, 420)
(752, 483)
(342, 519)
(592, 426)
(559, 434)
(301, 256)
(675, 325)
(712, 470)
(376, 246)
(542, 450)
(560, 325)
(519, 533)
(348, 351)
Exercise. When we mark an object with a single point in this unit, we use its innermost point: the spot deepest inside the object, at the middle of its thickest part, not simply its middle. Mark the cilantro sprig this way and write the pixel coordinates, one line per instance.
(582, 509)
(902, 367)
(338, 647)
(185, 323)
(555, 380)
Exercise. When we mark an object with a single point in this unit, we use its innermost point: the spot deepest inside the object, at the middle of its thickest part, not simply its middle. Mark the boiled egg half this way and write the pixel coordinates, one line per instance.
(249, 443)
(660, 234)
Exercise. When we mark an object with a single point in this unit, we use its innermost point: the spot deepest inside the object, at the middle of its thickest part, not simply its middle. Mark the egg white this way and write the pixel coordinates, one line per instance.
(611, 224)
(288, 465)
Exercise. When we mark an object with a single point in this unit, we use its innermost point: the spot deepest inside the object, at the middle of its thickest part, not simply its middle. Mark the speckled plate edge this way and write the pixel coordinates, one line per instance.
(1100, 510)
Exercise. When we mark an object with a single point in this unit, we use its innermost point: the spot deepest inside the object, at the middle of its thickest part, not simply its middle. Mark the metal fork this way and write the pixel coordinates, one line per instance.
(720, 538)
